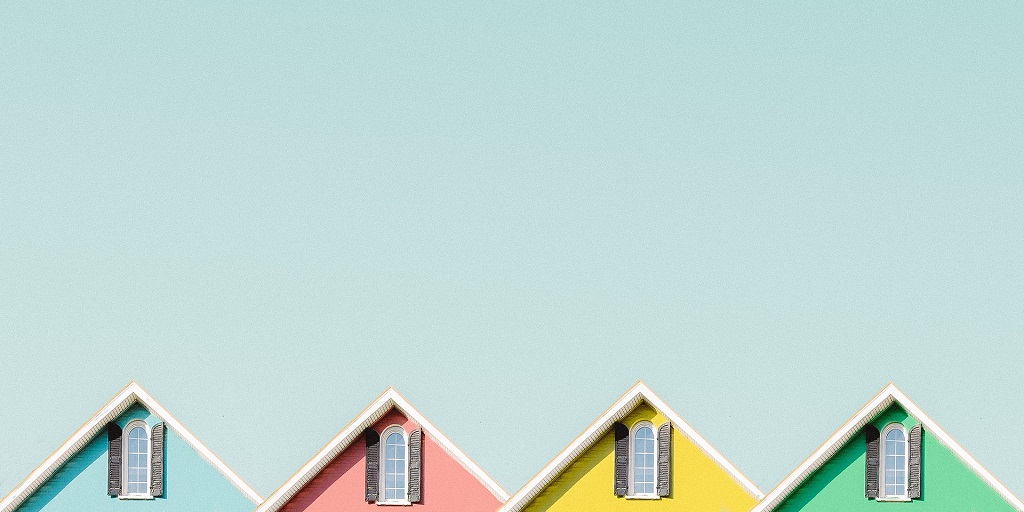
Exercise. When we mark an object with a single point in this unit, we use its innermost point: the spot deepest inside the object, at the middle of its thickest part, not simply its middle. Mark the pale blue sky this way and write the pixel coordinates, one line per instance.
(268, 213)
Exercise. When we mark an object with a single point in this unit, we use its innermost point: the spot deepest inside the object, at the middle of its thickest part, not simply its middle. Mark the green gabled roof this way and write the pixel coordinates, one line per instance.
(883, 400)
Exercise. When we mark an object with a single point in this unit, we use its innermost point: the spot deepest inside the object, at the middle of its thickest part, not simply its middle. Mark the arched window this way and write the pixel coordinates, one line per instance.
(643, 450)
(396, 465)
(137, 451)
(894, 461)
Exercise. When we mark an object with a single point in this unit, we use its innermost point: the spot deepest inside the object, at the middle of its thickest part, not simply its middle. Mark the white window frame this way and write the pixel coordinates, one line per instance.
(383, 471)
(883, 459)
(631, 493)
(126, 458)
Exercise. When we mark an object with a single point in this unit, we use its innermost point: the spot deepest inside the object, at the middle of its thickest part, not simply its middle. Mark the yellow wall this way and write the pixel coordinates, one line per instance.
(698, 483)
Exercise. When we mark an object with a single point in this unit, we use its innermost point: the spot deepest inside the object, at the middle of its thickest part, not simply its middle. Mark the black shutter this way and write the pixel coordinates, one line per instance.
(113, 459)
(415, 465)
(665, 459)
(621, 458)
(156, 473)
(914, 478)
(871, 462)
(372, 464)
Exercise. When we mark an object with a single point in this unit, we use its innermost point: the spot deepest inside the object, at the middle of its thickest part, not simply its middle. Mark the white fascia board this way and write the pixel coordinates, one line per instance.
(377, 409)
(130, 395)
(620, 409)
(875, 406)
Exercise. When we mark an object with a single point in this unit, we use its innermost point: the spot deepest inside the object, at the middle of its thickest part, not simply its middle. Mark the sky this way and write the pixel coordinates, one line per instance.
(268, 213)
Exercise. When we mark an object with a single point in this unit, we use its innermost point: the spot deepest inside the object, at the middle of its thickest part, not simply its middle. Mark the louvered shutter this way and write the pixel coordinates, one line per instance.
(372, 464)
(156, 473)
(871, 462)
(665, 459)
(415, 465)
(914, 478)
(113, 459)
(621, 458)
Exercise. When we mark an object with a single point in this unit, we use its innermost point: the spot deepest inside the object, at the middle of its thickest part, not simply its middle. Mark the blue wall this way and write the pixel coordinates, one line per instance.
(191, 484)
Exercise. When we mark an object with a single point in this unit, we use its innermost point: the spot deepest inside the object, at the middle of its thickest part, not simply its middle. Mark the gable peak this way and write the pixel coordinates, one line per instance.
(640, 388)
(392, 394)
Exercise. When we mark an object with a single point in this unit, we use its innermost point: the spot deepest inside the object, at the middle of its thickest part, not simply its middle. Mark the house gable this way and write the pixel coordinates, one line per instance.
(340, 485)
(334, 478)
(698, 485)
(581, 476)
(833, 477)
(190, 482)
(947, 483)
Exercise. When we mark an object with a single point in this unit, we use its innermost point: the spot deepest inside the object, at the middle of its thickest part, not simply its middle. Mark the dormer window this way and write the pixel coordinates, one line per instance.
(643, 460)
(394, 466)
(137, 458)
(643, 450)
(894, 462)
(395, 475)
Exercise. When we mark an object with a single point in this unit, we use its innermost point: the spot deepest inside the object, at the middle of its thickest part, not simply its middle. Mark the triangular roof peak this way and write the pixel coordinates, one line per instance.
(885, 398)
(130, 395)
(638, 393)
(388, 400)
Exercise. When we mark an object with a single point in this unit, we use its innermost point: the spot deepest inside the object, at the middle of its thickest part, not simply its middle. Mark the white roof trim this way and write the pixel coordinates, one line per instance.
(381, 406)
(879, 403)
(132, 394)
(620, 409)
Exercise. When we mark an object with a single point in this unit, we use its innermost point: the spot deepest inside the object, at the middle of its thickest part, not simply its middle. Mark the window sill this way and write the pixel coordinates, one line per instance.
(135, 497)
(643, 497)
(395, 503)
(892, 498)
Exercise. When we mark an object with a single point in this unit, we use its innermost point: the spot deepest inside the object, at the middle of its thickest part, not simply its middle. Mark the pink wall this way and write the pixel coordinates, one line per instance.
(447, 486)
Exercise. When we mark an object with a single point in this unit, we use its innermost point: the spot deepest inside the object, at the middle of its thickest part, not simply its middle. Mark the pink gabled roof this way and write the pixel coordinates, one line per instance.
(387, 401)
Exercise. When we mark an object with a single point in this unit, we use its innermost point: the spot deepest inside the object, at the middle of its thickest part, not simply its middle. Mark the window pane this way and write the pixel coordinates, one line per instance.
(394, 467)
(895, 462)
(643, 460)
(137, 470)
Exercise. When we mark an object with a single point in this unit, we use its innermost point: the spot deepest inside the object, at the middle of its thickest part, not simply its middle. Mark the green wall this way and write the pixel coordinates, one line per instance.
(191, 484)
(947, 484)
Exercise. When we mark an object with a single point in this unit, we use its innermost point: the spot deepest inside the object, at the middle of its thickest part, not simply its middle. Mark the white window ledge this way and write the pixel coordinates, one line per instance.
(892, 498)
(395, 503)
(643, 497)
